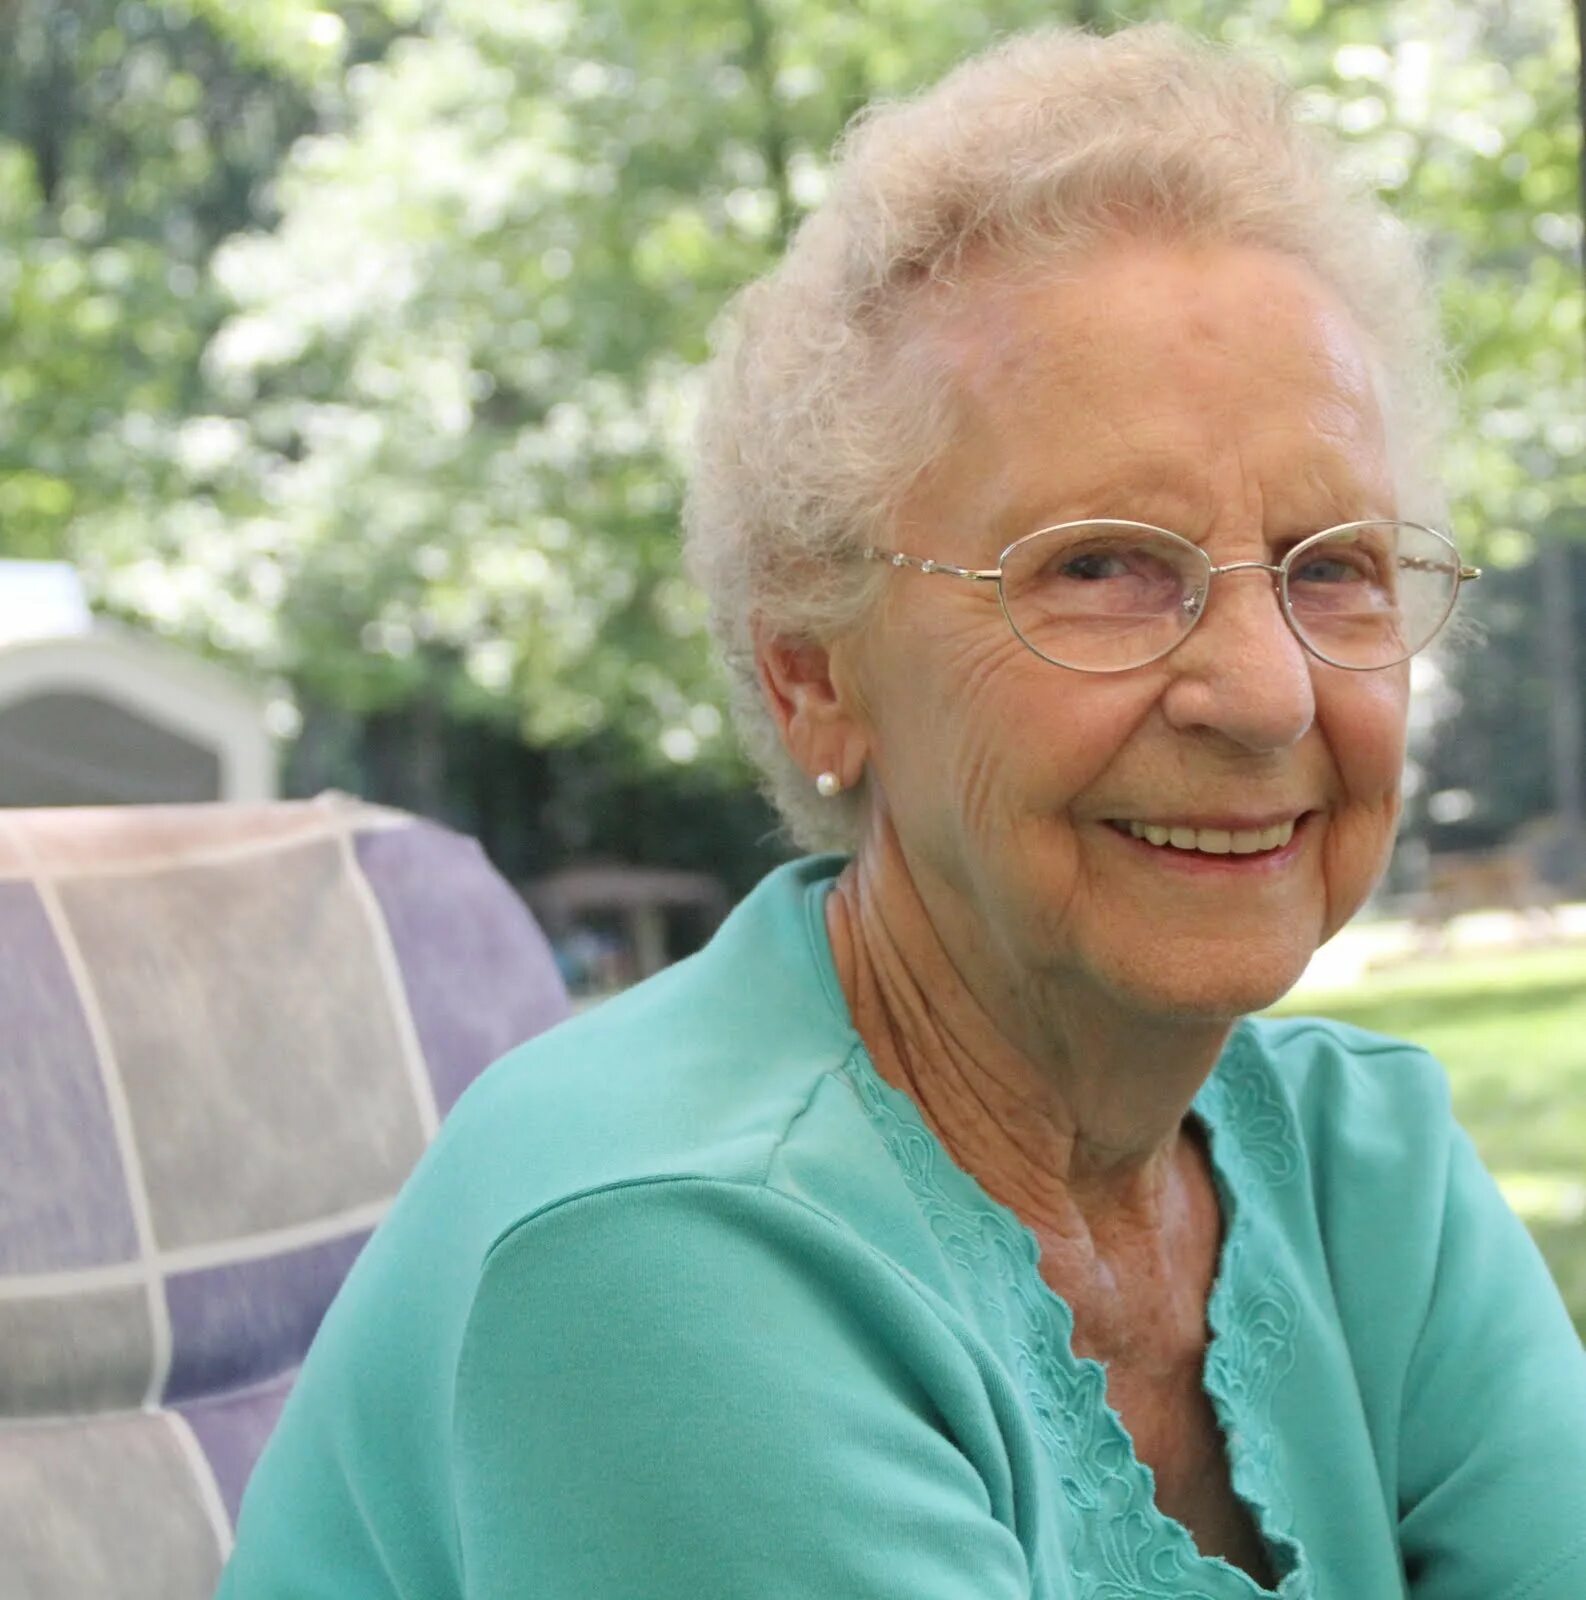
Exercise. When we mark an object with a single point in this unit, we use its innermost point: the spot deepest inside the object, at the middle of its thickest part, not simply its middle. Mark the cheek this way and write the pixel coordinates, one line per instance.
(1364, 720)
(1364, 723)
(1023, 739)
(937, 704)
(972, 736)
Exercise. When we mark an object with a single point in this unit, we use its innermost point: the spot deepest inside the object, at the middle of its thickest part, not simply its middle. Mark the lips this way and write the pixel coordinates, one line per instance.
(1212, 841)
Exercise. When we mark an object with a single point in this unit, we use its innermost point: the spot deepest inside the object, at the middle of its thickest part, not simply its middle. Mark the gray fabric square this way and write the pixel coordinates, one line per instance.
(63, 1196)
(108, 1509)
(254, 1035)
(74, 1352)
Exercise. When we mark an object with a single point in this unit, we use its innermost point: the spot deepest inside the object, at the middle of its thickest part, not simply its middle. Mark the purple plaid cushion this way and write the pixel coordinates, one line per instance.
(226, 1034)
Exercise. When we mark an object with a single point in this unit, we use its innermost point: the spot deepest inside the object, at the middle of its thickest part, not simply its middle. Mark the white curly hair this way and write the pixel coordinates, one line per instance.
(817, 410)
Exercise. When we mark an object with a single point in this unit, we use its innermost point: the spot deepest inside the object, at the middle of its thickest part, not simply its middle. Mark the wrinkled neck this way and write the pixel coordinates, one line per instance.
(1065, 1108)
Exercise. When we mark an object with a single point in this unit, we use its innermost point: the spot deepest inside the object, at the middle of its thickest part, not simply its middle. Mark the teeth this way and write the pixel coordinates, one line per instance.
(1215, 841)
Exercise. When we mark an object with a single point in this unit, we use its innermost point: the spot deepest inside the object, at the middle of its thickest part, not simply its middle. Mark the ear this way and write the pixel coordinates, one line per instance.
(810, 690)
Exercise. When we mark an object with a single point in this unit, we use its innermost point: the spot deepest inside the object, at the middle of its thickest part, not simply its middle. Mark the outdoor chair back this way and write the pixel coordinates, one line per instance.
(226, 1035)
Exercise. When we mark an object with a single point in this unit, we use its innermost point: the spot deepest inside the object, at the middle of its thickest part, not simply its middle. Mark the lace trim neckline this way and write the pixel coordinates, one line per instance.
(1126, 1546)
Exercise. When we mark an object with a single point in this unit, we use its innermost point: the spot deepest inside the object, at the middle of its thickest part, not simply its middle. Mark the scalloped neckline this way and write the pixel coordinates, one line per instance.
(1247, 1356)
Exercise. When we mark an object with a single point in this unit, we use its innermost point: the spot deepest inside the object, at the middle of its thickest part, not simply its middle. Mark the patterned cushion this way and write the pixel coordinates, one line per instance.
(226, 1034)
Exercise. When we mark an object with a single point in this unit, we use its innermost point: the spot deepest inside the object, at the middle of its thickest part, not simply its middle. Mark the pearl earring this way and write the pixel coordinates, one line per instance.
(828, 784)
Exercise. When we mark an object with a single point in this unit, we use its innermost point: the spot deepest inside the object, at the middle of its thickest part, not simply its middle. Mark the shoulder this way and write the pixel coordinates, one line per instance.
(724, 1250)
(1374, 1153)
(1317, 1107)
(1330, 1056)
(698, 1072)
(1367, 1119)
(1357, 1127)
(1352, 1094)
(712, 1286)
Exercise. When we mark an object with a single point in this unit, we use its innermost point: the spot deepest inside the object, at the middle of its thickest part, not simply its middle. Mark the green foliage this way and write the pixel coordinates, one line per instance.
(133, 138)
(464, 355)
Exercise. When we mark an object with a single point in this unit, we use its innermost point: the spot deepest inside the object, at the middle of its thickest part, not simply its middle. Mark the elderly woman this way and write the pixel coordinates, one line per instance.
(944, 1229)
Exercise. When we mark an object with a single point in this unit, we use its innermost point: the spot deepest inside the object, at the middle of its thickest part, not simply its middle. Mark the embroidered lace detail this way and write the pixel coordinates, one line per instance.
(1245, 1096)
(1124, 1547)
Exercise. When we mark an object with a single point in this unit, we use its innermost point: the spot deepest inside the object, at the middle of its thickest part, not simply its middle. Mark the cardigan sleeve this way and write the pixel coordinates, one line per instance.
(1492, 1485)
(690, 1387)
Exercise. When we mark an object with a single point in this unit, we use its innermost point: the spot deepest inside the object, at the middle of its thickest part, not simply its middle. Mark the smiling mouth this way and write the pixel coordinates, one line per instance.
(1209, 841)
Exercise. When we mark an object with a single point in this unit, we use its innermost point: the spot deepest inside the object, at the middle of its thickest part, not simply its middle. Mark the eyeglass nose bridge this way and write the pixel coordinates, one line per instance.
(1195, 601)
(1239, 566)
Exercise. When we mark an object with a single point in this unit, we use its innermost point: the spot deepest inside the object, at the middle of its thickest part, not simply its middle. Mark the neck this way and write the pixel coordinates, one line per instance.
(1067, 1108)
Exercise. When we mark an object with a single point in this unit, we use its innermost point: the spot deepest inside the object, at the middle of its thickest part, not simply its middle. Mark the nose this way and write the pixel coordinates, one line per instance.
(1242, 674)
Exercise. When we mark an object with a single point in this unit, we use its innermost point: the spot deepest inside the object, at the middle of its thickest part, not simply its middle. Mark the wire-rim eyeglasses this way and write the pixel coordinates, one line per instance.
(1109, 595)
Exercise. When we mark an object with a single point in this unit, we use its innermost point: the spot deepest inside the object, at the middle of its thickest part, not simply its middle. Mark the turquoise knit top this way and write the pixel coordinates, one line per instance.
(685, 1302)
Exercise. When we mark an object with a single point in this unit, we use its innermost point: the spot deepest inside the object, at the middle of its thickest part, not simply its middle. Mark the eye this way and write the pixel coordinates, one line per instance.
(1328, 569)
(1096, 570)
(1090, 565)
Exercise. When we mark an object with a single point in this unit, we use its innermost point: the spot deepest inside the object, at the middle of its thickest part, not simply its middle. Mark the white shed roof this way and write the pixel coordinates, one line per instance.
(93, 713)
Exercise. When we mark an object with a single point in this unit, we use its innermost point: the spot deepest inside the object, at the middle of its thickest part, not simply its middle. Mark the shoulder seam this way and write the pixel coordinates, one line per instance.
(831, 1224)
(592, 1191)
(1294, 1026)
(798, 1116)
(658, 1178)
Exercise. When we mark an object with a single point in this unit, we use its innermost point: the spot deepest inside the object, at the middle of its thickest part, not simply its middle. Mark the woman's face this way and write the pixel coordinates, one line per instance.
(1222, 393)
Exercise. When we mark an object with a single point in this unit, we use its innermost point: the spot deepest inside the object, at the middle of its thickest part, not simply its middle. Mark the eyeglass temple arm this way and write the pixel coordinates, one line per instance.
(897, 558)
(1423, 564)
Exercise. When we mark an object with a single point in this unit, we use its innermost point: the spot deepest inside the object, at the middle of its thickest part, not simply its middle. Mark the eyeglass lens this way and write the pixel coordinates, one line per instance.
(1106, 596)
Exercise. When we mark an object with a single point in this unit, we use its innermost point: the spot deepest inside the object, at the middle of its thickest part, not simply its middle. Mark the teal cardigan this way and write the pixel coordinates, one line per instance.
(685, 1303)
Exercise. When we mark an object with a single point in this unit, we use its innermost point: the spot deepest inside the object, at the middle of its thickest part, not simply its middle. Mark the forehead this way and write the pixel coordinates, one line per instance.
(1219, 376)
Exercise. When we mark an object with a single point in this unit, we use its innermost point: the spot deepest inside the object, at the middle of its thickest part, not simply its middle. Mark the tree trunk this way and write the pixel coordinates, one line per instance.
(1554, 567)
(1563, 678)
(760, 62)
(43, 36)
(1580, 103)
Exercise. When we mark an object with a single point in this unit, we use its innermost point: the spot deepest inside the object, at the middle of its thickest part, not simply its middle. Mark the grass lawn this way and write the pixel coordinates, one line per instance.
(1511, 1029)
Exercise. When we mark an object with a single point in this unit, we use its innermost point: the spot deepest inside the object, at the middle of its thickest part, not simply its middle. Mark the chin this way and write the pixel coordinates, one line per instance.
(1218, 983)
(1223, 1003)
